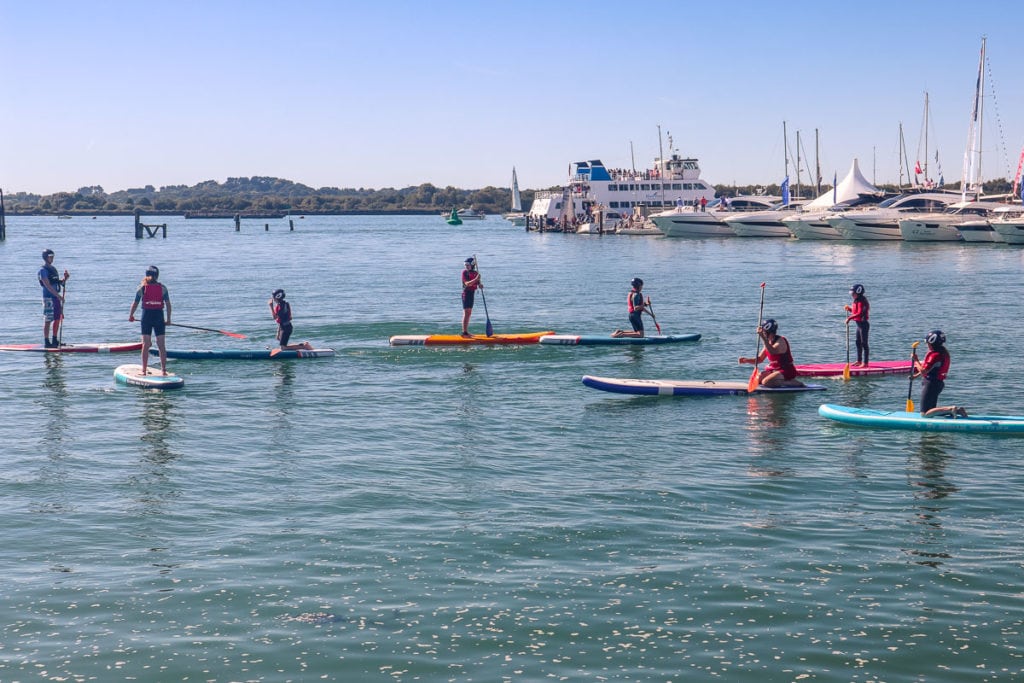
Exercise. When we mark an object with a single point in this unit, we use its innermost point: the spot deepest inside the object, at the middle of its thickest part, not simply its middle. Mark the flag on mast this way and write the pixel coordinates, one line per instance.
(785, 191)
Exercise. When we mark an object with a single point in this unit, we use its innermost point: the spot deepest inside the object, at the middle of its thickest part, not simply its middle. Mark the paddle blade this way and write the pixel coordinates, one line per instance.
(489, 328)
(236, 335)
(910, 405)
(753, 383)
(846, 373)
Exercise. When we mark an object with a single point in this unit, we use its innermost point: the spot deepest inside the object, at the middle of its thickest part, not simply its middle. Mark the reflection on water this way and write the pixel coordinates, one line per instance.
(154, 482)
(284, 402)
(926, 474)
(53, 436)
(767, 415)
(56, 412)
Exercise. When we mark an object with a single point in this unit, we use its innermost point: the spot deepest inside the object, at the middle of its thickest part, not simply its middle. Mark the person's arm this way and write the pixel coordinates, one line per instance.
(167, 298)
(131, 313)
(778, 347)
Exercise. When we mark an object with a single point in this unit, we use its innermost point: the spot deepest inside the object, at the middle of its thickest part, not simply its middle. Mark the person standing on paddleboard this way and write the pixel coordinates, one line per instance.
(282, 312)
(155, 300)
(470, 283)
(932, 371)
(859, 314)
(53, 300)
(636, 306)
(780, 371)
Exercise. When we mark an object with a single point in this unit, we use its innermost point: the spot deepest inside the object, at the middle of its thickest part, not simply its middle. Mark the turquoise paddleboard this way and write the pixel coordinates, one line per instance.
(608, 340)
(898, 419)
(153, 379)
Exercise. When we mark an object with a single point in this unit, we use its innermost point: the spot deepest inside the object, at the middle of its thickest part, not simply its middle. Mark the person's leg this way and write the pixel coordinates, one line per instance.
(163, 352)
(147, 341)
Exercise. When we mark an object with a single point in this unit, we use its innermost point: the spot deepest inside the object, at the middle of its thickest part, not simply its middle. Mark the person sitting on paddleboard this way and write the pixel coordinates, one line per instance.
(859, 314)
(636, 306)
(470, 283)
(155, 300)
(282, 312)
(932, 371)
(780, 371)
(53, 300)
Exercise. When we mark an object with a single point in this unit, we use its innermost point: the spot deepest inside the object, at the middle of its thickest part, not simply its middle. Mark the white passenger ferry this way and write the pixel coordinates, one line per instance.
(671, 182)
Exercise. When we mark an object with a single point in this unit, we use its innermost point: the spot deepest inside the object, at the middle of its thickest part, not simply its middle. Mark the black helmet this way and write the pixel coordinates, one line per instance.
(471, 262)
(857, 290)
(770, 326)
(153, 272)
(636, 282)
(936, 338)
(278, 295)
(47, 252)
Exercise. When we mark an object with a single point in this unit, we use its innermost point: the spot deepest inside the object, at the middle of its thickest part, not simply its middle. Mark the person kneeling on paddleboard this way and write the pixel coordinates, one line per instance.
(470, 283)
(155, 298)
(636, 306)
(932, 371)
(282, 312)
(780, 371)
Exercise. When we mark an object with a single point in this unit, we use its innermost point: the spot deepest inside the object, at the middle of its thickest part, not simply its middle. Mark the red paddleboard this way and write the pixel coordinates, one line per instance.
(75, 348)
(881, 367)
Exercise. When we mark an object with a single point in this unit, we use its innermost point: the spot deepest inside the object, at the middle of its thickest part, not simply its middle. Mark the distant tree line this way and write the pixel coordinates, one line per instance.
(263, 194)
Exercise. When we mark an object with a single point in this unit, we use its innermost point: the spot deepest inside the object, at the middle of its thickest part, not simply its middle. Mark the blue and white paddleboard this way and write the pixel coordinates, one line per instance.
(608, 340)
(673, 387)
(244, 354)
(153, 379)
(898, 419)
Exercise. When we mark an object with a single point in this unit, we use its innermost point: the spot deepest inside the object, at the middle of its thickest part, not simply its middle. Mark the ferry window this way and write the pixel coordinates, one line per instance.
(677, 186)
(645, 187)
(613, 205)
(613, 188)
(687, 186)
(655, 186)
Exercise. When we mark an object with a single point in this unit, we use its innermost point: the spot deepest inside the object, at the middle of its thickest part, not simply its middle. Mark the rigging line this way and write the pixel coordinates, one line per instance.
(999, 119)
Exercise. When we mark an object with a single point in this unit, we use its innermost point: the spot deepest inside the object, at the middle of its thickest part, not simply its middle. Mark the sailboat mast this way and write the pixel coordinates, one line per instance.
(798, 164)
(926, 137)
(661, 167)
(817, 163)
(972, 161)
(903, 155)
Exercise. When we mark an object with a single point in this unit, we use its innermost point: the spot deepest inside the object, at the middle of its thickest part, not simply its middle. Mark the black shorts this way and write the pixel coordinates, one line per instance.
(153, 322)
(930, 391)
(468, 295)
(284, 333)
(636, 319)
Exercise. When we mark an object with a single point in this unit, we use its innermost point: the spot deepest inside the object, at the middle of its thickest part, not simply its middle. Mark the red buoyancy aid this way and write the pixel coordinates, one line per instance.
(634, 300)
(152, 296)
(860, 309)
(940, 360)
(782, 362)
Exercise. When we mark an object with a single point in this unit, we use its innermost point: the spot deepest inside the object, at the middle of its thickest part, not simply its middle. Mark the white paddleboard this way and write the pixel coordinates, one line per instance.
(153, 379)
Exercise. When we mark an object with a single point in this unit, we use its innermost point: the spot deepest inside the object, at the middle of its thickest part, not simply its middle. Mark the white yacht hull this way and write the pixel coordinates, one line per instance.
(851, 229)
(1012, 232)
(979, 231)
(807, 229)
(759, 228)
(692, 225)
(929, 229)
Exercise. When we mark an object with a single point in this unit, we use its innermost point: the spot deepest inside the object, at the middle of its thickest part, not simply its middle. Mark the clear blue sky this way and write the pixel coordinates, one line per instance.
(391, 94)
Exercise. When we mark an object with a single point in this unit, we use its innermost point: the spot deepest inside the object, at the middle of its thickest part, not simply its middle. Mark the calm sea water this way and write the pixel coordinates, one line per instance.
(433, 514)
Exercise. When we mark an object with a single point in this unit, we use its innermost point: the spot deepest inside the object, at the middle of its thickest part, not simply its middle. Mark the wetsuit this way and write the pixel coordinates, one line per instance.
(469, 290)
(933, 377)
(283, 316)
(859, 314)
(782, 362)
(635, 306)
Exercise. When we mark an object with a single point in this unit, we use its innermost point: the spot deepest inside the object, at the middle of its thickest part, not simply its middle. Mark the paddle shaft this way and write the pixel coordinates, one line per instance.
(236, 335)
(754, 375)
(488, 328)
(846, 370)
(910, 387)
(650, 310)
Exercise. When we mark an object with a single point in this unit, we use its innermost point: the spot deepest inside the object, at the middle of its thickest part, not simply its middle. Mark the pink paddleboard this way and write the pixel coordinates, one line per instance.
(882, 367)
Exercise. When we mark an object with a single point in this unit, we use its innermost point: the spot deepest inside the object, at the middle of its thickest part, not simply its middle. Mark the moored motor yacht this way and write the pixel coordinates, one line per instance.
(810, 223)
(944, 226)
(882, 221)
(765, 223)
(690, 221)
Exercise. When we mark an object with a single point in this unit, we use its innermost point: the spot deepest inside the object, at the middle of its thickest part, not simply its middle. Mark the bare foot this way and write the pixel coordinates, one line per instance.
(274, 352)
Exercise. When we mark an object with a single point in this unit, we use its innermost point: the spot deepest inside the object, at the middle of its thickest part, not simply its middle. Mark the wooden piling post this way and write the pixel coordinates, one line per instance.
(266, 227)
(238, 222)
(3, 218)
(291, 225)
(138, 224)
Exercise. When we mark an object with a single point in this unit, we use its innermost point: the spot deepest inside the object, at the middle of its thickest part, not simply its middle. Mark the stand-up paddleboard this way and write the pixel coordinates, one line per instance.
(153, 379)
(240, 354)
(455, 340)
(865, 417)
(602, 340)
(673, 387)
(75, 348)
(883, 367)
